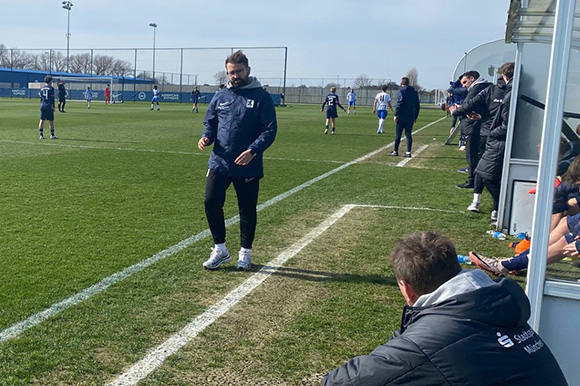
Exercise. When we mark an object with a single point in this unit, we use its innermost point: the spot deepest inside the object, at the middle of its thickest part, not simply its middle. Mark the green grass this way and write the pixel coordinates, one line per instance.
(123, 183)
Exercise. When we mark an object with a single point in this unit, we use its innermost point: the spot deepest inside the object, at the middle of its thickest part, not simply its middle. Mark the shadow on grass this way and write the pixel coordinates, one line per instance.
(320, 276)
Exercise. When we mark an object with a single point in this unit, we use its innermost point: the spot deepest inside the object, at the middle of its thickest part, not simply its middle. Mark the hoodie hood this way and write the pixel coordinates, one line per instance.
(464, 281)
(477, 81)
(254, 83)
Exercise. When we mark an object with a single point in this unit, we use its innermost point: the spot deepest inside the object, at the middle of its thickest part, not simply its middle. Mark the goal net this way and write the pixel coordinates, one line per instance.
(76, 87)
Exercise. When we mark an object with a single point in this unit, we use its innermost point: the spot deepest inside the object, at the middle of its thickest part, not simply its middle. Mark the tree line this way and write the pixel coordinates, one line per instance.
(56, 61)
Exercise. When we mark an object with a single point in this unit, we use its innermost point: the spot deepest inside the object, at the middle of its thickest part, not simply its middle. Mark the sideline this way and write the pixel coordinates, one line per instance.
(33, 320)
(407, 160)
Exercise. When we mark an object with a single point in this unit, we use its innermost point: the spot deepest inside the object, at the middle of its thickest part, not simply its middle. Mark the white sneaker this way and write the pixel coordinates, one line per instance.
(41, 136)
(53, 137)
(216, 259)
(244, 260)
(325, 131)
(474, 207)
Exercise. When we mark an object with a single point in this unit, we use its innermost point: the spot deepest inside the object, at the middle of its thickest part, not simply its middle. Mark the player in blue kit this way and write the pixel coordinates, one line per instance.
(47, 107)
(155, 97)
(195, 97)
(331, 101)
(351, 99)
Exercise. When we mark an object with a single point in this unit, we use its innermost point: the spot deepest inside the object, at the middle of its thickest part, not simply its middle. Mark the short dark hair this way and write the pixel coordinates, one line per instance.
(384, 87)
(332, 89)
(425, 260)
(507, 69)
(470, 74)
(405, 81)
(238, 57)
(47, 79)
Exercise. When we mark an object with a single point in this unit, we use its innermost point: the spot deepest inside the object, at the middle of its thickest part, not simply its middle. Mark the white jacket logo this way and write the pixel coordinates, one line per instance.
(250, 104)
(505, 340)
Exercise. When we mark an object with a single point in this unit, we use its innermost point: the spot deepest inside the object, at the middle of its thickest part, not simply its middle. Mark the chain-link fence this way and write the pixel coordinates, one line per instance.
(176, 70)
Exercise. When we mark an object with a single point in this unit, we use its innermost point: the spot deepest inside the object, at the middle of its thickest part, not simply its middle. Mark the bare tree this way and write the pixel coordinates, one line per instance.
(80, 63)
(121, 68)
(21, 59)
(413, 76)
(58, 61)
(363, 81)
(4, 56)
(103, 64)
(221, 77)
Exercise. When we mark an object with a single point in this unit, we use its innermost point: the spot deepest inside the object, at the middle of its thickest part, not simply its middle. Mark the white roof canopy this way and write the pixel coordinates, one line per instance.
(532, 21)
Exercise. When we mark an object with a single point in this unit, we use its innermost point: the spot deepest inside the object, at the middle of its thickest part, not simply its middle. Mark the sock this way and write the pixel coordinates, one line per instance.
(381, 123)
(242, 249)
(40, 130)
(221, 247)
(52, 132)
(476, 197)
(326, 127)
(517, 263)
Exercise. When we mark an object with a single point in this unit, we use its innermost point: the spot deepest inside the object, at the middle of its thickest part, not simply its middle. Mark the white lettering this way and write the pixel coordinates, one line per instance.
(532, 348)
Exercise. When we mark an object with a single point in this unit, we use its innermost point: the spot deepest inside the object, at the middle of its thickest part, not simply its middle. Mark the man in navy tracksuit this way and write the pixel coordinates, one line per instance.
(406, 114)
(241, 124)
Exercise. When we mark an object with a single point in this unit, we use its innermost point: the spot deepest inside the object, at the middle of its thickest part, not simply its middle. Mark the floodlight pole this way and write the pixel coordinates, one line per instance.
(154, 25)
(67, 5)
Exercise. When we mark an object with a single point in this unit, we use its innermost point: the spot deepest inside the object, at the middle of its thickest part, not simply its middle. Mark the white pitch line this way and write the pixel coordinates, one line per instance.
(33, 320)
(406, 160)
(196, 153)
(410, 208)
(157, 356)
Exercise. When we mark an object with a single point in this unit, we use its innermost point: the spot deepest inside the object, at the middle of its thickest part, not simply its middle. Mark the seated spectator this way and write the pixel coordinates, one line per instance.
(459, 328)
(564, 235)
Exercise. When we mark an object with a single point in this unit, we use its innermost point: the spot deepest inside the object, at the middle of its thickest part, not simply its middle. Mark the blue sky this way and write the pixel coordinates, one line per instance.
(325, 39)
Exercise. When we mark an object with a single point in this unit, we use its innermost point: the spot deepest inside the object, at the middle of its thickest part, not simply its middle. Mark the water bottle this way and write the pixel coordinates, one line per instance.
(521, 235)
(464, 259)
(498, 235)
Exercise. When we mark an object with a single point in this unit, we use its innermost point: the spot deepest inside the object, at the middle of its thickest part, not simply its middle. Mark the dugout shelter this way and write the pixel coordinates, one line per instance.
(545, 106)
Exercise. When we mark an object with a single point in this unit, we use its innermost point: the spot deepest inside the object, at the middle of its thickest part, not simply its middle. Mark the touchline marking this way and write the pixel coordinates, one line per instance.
(157, 356)
(409, 208)
(406, 160)
(19, 327)
(197, 153)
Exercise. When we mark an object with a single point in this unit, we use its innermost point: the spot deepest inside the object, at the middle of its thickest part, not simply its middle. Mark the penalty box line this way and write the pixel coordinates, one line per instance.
(85, 294)
(157, 356)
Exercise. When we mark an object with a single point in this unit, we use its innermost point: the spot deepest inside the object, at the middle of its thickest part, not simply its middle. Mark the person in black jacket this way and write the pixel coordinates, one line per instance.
(61, 96)
(470, 128)
(482, 107)
(241, 124)
(406, 113)
(490, 167)
(460, 328)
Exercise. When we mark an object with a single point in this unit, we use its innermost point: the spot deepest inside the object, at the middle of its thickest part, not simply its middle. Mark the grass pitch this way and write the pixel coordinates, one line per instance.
(123, 183)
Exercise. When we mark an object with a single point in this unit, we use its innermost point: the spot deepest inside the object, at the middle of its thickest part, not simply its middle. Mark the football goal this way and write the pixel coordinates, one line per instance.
(76, 87)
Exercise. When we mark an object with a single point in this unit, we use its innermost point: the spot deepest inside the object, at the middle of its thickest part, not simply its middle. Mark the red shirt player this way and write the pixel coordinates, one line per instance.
(107, 95)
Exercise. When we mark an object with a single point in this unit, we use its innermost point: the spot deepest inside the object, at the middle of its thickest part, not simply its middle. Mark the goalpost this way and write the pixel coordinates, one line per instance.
(76, 87)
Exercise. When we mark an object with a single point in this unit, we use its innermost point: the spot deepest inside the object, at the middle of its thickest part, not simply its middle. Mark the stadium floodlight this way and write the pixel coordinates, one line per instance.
(67, 5)
(154, 25)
